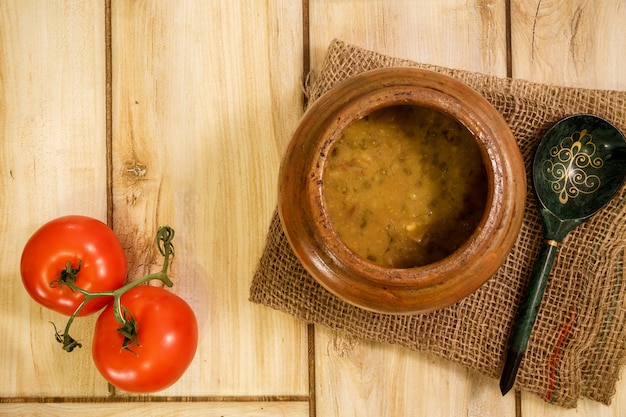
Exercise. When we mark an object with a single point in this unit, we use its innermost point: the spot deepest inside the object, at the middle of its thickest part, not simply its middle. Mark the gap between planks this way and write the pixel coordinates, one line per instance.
(108, 70)
(310, 329)
(154, 399)
(509, 74)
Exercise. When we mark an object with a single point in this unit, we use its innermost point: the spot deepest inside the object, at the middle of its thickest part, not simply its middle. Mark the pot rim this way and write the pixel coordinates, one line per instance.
(363, 283)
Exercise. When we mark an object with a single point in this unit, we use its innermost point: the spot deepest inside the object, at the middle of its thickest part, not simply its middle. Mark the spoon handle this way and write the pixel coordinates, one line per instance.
(527, 314)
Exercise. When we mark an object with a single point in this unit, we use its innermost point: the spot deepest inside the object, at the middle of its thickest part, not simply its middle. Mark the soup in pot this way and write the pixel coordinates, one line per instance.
(405, 186)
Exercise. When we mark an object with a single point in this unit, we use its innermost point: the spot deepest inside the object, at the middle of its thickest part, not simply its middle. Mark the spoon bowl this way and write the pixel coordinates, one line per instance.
(579, 166)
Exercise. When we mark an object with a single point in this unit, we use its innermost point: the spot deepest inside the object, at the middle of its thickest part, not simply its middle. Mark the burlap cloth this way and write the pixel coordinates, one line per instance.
(579, 340)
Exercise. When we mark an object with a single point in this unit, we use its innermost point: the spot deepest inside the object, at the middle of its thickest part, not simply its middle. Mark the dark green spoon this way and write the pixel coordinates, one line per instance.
(579, 165)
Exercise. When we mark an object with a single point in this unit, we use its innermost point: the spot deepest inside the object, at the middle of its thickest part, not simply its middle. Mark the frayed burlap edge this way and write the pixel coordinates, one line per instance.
(578, 345)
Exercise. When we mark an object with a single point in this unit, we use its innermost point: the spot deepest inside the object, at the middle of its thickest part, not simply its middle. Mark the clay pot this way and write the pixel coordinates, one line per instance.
(353, 278)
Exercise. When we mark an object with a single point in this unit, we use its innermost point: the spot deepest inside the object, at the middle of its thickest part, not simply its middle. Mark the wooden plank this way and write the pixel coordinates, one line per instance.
(211, 409)
(578, 44)
(360, 378)
(53, 163)
(357, 378)
(458, 34)
(205, 95)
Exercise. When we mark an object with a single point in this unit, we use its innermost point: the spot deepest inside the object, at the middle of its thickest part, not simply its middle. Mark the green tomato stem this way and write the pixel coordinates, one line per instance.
(67, 278)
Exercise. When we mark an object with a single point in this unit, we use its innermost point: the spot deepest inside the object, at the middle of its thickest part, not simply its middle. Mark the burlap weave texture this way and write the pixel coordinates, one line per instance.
(578, 344)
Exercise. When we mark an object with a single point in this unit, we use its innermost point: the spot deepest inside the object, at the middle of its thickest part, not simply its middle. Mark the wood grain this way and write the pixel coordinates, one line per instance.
(357, 378)
(469, 35)
(52, 151)
(576, 43)
(202, 107)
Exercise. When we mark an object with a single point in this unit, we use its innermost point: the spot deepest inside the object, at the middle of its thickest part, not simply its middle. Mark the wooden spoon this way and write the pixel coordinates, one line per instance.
(579, 165)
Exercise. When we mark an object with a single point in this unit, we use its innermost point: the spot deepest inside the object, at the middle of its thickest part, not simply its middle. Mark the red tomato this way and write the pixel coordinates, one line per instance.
(167, 340)
(72, 238)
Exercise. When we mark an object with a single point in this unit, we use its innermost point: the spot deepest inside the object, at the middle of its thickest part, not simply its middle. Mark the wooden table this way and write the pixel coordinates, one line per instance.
(142, 113)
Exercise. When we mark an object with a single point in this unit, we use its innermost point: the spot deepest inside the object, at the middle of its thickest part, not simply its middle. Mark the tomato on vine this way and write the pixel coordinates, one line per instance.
(146, 337)
(72, 251)
(160, 337)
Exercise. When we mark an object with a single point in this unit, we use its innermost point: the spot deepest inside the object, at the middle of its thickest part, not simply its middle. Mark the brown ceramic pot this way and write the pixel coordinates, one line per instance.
(363, 283)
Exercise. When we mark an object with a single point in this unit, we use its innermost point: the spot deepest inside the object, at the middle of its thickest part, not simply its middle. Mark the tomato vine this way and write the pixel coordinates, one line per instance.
(128, 327)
